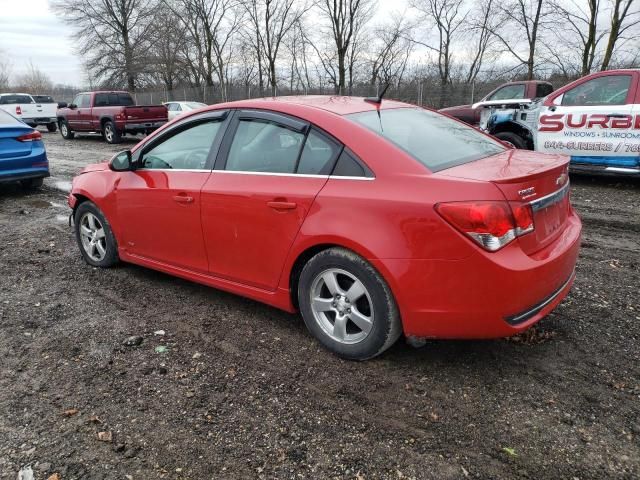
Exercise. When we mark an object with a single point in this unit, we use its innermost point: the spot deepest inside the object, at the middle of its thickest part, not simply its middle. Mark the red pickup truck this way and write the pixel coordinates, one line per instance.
(111, 113)
(531, 89)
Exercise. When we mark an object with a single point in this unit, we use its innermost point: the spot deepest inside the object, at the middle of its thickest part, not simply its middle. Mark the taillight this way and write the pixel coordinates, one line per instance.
(492, 224)
(30, 137)
(18, 110)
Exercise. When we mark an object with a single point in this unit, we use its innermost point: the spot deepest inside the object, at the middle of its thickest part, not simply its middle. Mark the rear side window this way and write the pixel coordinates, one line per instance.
(260, 146)
(434, 140)
(543, 89)
(318, 155)
(10, 99)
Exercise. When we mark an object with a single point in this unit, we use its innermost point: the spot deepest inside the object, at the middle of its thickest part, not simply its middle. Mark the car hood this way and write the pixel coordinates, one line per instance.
(95, 167)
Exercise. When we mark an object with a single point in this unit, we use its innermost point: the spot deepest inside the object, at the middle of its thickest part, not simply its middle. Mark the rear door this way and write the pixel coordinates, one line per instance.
(593, 121)
(267, 176)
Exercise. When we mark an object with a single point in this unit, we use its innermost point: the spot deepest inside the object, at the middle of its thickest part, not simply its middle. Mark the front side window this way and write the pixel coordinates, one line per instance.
(186, 150)
(261, 146)
(434, 140)
(85, 101)
(607, 90)
(508, 92)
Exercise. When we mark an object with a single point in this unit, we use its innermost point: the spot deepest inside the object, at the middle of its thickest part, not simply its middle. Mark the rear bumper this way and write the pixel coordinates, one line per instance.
(40, 120)
(606, 169)
(488, 295)
(144, 126)
(15, 176)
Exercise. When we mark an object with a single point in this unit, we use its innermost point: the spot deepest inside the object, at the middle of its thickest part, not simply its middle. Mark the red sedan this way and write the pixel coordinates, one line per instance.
(372, 219)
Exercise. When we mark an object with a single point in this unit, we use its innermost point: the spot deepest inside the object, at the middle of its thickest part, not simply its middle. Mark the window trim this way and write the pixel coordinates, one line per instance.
(217, 115)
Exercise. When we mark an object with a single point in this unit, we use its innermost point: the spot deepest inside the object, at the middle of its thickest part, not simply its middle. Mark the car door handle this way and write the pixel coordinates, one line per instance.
(281, 205)
(183, 199)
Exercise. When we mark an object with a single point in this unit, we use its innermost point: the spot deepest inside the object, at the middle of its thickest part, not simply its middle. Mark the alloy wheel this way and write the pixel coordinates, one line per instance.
(342, 306)
(108, 133)
(93, 237)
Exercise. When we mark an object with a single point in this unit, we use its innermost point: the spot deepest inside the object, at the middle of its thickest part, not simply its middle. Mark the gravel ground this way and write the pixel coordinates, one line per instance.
(243, 391)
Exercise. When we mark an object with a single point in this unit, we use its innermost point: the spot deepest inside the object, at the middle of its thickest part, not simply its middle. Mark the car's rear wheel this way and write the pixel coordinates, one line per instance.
(65, 131)
(347, 305)
(32, 183)
(111, 134)
(94, 236)
(52, 127)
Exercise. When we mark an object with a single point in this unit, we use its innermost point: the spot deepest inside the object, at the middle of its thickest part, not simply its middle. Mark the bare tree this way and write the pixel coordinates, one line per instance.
(522, 18)
(168, 42)
(33, 80)
(211, 26)
(299, 48)
(449, 17)
(5, 71)
(271, 21)
(112, 36)
(346, 18)
(391, 52)
(622, 19)
(481, 31)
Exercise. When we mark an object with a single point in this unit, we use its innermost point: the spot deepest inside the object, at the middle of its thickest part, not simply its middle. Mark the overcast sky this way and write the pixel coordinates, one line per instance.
(29, 31)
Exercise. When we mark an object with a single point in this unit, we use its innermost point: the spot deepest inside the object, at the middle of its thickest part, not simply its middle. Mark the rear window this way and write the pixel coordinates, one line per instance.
(10, 99)
(113, 100)
(434, 140)
(43, 99)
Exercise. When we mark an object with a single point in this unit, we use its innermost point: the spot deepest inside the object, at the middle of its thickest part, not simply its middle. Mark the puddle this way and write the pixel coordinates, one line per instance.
(39, 204)
(62, 218)
(63, 185)
(57, 205)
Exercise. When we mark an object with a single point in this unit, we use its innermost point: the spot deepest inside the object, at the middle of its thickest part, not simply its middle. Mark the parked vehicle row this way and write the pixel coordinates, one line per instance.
(33, 110)
(371, 218)
(595, 120)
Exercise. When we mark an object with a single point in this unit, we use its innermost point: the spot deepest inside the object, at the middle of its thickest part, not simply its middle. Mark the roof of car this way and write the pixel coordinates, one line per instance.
(103, 91)
(4, 94)
(340, 105)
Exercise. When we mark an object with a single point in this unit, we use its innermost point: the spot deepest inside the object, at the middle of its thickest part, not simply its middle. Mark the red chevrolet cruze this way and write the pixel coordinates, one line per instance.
(372, 219)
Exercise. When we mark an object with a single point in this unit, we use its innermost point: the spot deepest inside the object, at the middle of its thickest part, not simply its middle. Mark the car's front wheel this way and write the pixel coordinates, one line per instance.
(347, 305)
(52, 127)
(94, 236)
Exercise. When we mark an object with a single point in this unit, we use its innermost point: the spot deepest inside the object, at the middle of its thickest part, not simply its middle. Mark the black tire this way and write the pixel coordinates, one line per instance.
(111, 133)
(386, 326)
(52, 127)
(513, 139)
(110, 245)
(32, 183)
(65, 130)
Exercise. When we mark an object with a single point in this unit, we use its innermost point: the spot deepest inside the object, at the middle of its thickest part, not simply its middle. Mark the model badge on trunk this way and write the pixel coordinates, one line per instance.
(527, 192)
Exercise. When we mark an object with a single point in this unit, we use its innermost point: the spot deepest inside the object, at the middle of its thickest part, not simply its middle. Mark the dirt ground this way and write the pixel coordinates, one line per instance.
(243, 391)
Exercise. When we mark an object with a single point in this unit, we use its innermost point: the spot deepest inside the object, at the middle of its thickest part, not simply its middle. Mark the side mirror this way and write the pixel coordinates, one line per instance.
(72, 106)
(122, 162)
(63, 104)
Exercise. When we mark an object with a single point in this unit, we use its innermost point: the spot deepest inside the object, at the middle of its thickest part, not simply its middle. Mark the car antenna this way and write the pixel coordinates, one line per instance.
(378, 99)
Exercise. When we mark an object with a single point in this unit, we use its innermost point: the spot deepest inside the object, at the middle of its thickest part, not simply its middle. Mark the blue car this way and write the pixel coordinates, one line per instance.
(22, 155)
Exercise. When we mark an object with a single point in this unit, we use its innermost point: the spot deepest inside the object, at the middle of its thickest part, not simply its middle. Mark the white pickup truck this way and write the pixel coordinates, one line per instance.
(595, 120)
(33, 113)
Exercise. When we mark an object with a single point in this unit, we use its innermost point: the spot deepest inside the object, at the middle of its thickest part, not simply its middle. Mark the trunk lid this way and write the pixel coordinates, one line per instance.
(10, 148)
(529, 177)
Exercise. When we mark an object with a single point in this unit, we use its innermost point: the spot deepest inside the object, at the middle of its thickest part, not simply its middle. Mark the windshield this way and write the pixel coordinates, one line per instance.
(434, 140)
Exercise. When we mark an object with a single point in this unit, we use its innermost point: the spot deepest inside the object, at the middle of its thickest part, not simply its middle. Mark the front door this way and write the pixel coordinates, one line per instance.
(593, 122)
(159, 204)
(255, 201)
